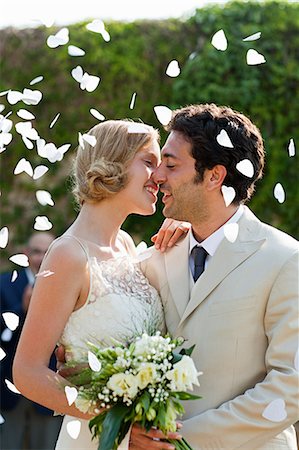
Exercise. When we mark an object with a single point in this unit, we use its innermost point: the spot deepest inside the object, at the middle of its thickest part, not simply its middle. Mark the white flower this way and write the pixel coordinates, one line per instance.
(183, 375)
(123, 385)
(146, 375)
(83, 404)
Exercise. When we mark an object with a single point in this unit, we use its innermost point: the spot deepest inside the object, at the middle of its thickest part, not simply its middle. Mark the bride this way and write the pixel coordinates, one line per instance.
(89, 287)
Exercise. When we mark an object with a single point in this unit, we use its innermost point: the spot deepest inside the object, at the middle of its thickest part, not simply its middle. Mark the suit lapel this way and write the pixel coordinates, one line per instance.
(226, 259)
(177, 270)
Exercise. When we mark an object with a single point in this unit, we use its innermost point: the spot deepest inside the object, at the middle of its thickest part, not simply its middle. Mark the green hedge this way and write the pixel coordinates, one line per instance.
(135, 61)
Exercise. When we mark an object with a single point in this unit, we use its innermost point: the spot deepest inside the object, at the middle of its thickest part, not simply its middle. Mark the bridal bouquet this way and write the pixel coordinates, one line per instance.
(143, 382)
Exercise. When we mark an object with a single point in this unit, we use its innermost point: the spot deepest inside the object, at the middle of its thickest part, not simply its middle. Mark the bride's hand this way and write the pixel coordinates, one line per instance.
(169, 233)
(141, 439)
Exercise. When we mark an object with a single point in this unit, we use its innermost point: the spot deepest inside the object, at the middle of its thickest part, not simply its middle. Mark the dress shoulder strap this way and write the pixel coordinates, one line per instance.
(84, 247)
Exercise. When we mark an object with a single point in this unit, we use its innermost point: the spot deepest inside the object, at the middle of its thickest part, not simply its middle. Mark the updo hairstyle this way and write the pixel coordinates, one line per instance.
(100, 171)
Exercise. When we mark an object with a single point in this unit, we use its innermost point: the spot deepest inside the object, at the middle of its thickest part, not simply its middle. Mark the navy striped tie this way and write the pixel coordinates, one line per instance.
(199, 254)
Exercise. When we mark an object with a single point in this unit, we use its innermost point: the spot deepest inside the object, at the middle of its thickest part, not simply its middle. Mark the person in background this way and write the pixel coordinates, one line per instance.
(27, 425)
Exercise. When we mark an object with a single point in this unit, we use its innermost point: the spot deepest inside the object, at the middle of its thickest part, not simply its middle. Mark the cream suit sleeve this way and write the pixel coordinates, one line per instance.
(252, 419)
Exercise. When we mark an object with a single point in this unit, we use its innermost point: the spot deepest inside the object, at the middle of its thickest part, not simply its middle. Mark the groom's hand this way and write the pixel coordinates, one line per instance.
(169, 233)
(62, 370)
(141, 439)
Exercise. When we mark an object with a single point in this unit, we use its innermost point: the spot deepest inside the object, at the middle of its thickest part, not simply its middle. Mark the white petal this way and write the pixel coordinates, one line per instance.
(2, 354)
(26, 115)
(173, 69)
(105, 35)
(39, 171)
(96, 114)
(28, 143)
(292, 148)
(2, 420)
(5, 125)
(219, 40)
(75, 51)
(64, 148)
(133, 99)
(36, 80)
(6, 335)
(5, 139)
(3, 237)
(71, 394)
(93, 362)
(246, 168)
(47, 20)
(31, 97)
(14, 97)
(228, 193)
(11, 320)
(91, 140)
(14, 276)
(60, 38)
(26, 130)
(23, 166)
(11, 387)
(275, 411)
(4, 92)
(224, 139)
(97, 26)
(231, 231)
(2, 107)
(253, 57)
(77, 73)
(89, 82)
(137, 128)
(73, 428)
(54, 120)
(20, 259)
(42, 223)
(279, 193)
(296, 360)
(44, 198)
(253, 37)
(163, 114)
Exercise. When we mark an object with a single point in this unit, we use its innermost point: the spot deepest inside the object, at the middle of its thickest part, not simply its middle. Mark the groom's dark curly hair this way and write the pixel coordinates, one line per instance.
(201, 124)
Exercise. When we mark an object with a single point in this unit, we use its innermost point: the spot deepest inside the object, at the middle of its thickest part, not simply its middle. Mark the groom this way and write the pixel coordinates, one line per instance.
(242, 311)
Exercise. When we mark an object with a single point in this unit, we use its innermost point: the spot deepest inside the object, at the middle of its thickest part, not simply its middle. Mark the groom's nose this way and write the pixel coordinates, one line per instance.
(159, 176)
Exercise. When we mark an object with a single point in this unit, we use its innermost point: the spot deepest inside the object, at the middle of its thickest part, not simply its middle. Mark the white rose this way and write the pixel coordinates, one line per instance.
(183, 375)
(146, 375)
(122, 384)
(83, 404)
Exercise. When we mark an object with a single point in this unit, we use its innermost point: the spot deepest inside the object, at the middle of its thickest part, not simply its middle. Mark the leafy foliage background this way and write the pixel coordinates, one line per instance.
(135, 60)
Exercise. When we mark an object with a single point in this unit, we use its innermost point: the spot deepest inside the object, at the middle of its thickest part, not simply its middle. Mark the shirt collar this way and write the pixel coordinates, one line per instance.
(211, 243)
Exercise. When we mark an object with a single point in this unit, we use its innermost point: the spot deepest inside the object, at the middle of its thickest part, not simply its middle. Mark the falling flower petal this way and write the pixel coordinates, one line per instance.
(296, 360)
(246, 168)
(96, 114)
(11, 387)
(224, 140)
(219, 41)
(36, 80)
(14, 97)
(54, 120)
(253, 57)
(45, 274)
(279, 193)
(2, 108)
(97, 26)
(163, 114)
(20, 259)
(31, 97)
(91, 140)
(253, 37)
(89, 82)
(173, 69)
(6, 335)
(2, 420)
(3, 237)
(23, 166)
(73, 428)
(135, 128)
(42, 223)
(5, 124)
(93, 362)
(228, 193)
(275, 411)
(71, 394)
(60, 38)
(27, 143)
(106, 36)
(292, 148)
(25, 129)
(39, 171)
(77, 73)
(133, 99)
(11, 320)
(75, 51)
(2, 354)
(26, 115)
(14, 276)
(231, 231)
(44, 198)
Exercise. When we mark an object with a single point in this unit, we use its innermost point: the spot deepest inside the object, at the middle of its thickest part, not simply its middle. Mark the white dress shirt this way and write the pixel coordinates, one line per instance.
(212, 242)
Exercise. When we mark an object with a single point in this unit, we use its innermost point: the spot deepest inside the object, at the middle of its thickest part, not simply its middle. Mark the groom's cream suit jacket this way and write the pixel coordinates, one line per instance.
(242, 314)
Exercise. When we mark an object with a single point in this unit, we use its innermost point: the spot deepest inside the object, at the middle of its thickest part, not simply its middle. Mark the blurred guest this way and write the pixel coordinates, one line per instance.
(27, 425)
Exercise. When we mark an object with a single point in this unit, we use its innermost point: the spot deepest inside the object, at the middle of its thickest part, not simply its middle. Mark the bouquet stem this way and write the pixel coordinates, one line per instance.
(180, 444)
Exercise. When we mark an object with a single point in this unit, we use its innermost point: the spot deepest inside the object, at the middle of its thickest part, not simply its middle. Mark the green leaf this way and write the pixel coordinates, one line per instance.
(111, 426)
(187, 351)
(184, 396)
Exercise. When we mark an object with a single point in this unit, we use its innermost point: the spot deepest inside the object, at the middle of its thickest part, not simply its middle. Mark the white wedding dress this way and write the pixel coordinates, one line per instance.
(120, 305)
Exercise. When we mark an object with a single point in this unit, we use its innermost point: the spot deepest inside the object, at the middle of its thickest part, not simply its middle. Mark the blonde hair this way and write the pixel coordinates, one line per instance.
(100, 171)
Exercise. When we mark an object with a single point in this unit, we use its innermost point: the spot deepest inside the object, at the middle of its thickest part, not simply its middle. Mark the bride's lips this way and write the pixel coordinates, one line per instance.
(152, 190)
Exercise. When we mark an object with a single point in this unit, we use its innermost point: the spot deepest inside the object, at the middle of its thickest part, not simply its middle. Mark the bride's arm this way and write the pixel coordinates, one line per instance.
(53, 300)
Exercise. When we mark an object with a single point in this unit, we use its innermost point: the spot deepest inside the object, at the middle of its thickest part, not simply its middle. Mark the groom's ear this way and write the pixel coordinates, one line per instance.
(214, 177)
